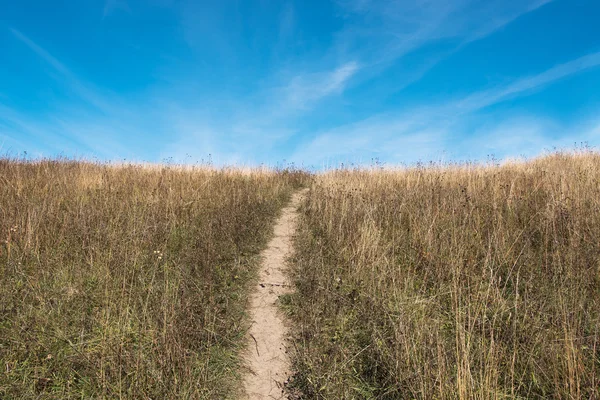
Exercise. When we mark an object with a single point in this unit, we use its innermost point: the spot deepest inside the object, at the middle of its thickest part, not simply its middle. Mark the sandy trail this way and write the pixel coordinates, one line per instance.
(266, 356)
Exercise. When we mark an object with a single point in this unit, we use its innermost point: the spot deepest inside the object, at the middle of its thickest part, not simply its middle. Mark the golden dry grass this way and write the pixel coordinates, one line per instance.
(128, 281)
(451, 282)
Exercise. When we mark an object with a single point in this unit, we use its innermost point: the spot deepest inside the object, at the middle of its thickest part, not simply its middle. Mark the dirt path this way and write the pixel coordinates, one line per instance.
(266, 356)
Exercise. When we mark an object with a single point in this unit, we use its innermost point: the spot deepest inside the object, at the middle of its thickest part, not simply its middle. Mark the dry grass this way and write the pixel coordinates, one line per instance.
(454, 282)
(128, 282)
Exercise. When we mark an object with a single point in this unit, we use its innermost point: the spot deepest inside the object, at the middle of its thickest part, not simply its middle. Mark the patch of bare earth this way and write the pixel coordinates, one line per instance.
(266, 357)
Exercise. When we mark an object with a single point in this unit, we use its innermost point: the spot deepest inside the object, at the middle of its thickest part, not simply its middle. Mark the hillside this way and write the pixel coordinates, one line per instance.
(464, 281)
(128, 281)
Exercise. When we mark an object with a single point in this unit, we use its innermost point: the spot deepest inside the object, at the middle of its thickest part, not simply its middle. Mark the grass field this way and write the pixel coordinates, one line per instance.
(432, 282)
(466, 281)
(128, 281)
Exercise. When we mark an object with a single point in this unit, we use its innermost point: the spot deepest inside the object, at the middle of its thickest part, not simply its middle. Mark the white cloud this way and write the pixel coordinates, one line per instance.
(73, 83)
(305, 90)
(41, 52)
(421, 133)
(525, 85)
(258, 126)
(105, 124)
(348, 142)
(495, 22)
(379, 33)
(528, 136)
(403, 25)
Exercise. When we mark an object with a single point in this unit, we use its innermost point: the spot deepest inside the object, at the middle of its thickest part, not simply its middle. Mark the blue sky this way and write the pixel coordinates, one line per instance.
(310, 82)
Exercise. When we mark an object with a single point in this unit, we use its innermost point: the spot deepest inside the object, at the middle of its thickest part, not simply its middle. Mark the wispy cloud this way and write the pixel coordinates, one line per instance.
(375, 35)
(528, 136)
(306, 90)
(41, 52)
(382, 136)
(350, 83)
(34, 136)
(525, 85)
(380, 33)
(95, 125)
(401, 26)
(496, 22)
(106, 125)
(423, 132)
(74, 84)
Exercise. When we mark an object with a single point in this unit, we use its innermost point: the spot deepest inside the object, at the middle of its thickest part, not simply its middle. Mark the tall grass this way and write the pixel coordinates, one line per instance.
(468, 282)
(128, 281)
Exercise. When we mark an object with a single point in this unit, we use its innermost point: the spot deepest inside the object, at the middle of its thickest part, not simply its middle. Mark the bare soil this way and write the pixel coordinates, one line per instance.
(266, 358)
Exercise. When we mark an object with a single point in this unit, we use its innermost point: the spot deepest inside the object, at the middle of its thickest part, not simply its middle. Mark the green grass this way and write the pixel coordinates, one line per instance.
(128, 281)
